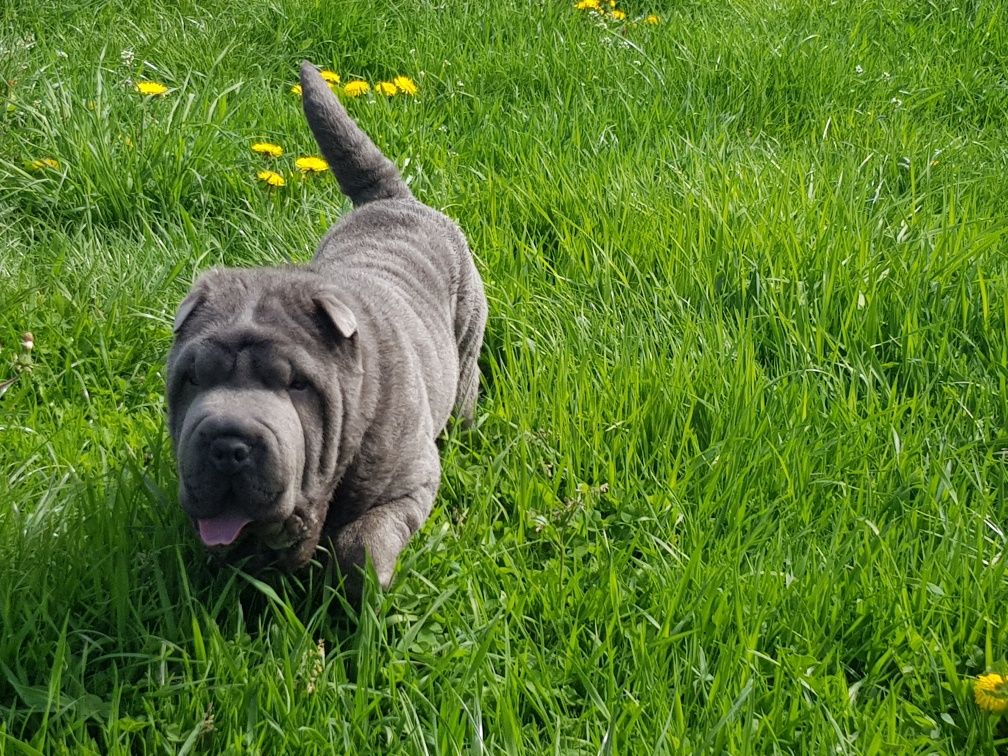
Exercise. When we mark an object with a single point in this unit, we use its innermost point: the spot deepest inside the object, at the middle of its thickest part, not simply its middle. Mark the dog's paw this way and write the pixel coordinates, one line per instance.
(297, 540)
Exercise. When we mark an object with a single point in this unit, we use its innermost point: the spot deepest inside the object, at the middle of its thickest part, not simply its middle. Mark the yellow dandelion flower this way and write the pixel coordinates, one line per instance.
(587, 5)
(271, 177)
(386, 88)
(331, 76)
(405, 85)
(991, 692)
(612, 3)
(653, 20)
(149, 88)
(296, 89)
(42, 163)
(311, 164)
(356, 88)
(266, 148)
(618, 15)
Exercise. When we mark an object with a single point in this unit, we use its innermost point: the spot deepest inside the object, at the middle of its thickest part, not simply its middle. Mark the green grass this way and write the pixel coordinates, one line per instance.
(739, 477)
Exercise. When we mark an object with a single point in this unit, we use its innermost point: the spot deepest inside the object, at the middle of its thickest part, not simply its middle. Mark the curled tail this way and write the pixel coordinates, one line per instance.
(363, 172)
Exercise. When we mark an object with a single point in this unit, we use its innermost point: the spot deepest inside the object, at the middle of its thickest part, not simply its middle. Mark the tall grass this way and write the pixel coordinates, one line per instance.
(738, 479)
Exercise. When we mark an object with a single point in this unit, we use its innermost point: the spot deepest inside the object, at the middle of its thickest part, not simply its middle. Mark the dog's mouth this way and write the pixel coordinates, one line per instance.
(224, 533)
(232, 525)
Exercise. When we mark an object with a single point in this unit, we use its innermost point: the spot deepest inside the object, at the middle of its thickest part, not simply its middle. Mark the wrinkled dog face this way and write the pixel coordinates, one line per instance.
(263, 364)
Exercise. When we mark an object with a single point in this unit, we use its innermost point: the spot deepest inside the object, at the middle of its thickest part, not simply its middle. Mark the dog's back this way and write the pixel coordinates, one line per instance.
(405, 267)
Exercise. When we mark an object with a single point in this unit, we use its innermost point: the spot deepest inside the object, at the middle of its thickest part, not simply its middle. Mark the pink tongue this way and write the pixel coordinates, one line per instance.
(220, 531)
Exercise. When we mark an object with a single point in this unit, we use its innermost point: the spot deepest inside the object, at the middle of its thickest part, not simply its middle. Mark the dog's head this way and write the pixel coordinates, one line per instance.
(264, 371)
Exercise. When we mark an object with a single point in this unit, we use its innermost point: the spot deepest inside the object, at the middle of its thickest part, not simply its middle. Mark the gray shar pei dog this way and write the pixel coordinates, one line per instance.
(304, 402)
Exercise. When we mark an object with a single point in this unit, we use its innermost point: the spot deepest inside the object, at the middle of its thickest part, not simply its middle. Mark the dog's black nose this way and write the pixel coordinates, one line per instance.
(230, 454)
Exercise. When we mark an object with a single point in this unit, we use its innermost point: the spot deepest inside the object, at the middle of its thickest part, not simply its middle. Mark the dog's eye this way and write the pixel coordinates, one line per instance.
(298, 383)
(191, 378)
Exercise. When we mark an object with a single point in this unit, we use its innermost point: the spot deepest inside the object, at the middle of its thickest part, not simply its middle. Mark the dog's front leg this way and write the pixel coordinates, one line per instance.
(379, 535)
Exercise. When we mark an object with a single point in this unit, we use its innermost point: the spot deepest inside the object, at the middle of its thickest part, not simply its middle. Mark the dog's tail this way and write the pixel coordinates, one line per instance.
(363, 172)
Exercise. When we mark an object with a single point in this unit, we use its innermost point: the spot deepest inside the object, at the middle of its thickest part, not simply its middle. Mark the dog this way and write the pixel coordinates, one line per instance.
(305, 402)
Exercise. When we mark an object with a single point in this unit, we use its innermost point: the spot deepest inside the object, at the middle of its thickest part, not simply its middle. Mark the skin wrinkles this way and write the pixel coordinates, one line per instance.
(323, 454)
(433, 326)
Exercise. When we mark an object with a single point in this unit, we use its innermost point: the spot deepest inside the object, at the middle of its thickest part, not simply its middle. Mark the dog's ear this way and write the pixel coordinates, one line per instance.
(337, 313)
(190, 303)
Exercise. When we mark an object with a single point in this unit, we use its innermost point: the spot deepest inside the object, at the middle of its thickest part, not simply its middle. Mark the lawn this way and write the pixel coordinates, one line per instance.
(739, 474)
